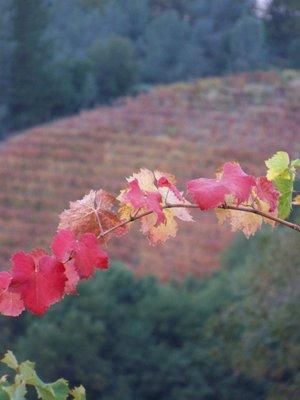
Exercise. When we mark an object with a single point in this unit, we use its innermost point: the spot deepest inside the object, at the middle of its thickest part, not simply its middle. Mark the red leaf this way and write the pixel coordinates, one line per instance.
(207, 193)
(211, 193)
(11, 303)
(163, 181)
(89, 256)
(85, 251)
(5, 279)
(63, 244)
(72, 276)
(267, 192)
(138, 198)
(153, 192)
(39, 279)
(237, 181)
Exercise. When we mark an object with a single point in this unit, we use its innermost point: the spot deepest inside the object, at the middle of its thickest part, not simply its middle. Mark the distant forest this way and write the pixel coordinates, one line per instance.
(60, 56)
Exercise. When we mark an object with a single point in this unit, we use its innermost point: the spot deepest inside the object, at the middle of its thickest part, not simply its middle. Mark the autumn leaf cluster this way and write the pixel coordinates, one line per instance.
(38, 279)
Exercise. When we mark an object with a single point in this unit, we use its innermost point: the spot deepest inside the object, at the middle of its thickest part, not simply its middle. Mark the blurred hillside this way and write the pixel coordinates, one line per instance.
(187, 129)
(62, 56)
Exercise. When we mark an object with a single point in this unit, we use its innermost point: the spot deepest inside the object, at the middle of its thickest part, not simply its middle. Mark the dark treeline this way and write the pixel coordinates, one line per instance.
(60, 56)
(232, 336)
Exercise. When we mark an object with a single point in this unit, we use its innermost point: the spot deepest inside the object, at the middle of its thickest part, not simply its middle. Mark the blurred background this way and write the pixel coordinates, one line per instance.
(93, 90)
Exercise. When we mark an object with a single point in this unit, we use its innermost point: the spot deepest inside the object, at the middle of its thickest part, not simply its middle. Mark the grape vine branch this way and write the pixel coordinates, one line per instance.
(39, 278)
(281, 221)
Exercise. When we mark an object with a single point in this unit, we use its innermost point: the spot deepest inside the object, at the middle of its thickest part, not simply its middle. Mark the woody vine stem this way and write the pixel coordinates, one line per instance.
(288, 224)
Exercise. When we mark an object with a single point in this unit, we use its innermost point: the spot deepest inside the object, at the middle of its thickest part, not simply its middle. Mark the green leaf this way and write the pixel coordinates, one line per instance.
(283, 174)
(17, 391)
(28, 374)
(278, 165)
(78, 393)
(285, 187)
(46, 391)
(3, 394)
(296, 163)
(10, 360)
(27, 371)
(58, 390)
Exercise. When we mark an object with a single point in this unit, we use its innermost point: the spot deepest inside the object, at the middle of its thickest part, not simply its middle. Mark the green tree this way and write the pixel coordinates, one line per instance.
(169, 51)
(283, 27)
(74, 86)
(247, 44)
(115, 67)
(30, 83)
(5, 58)
(127, 338)
(259, 331)
(294, 53)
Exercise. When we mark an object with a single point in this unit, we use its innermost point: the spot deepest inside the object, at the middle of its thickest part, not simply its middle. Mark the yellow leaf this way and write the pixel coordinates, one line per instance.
(145, 179)
(244, 221)
(247, 222)
(10, 360)
(78, 393)
(125, 211)
(278, 165)
(296, 200)
(162, 232)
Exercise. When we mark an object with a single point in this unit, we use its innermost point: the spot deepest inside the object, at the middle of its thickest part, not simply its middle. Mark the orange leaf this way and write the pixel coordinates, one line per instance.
(93, 213)
(296, 200)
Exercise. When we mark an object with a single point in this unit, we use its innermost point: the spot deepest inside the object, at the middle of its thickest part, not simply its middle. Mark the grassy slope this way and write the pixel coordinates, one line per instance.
(186, 129)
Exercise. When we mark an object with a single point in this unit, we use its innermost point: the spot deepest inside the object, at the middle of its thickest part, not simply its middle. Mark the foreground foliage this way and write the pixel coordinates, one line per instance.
(26, 376)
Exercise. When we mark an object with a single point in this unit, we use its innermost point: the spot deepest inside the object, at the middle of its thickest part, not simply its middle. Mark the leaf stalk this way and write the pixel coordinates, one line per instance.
(278, 220)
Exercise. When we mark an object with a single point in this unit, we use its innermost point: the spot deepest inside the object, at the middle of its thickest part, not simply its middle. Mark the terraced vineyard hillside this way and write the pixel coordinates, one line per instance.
(186, 129)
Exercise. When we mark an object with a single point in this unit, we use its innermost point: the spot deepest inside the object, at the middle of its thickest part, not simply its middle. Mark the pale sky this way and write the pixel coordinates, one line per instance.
(263, 3)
